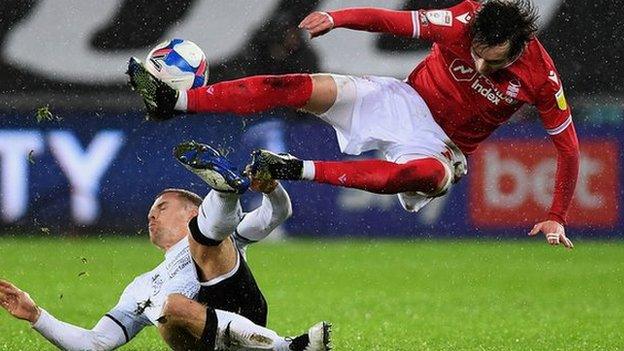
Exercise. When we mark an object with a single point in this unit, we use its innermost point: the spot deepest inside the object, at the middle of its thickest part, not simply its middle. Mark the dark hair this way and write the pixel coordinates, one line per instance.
(499, 21)
(186, 195)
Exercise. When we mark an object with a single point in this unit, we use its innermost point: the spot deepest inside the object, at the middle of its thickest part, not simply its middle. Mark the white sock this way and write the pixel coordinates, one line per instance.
(182, 102)
(241, 330)
(219, 214)
(308, 170)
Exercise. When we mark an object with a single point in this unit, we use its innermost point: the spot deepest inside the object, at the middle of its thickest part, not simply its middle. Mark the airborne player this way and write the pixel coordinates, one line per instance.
(484, 65)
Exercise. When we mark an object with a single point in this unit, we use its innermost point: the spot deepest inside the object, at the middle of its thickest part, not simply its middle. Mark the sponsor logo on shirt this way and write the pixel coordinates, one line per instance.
(486, 89)
(561, 100)
(463, 72)
(514, 88)
(178, 265)
(553, 76)
(440, 17)
(423, 19)
(157, 283)
(464, 18)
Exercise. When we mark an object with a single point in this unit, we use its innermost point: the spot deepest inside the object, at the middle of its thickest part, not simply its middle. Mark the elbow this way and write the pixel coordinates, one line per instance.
(571, 151)
(100, 342)
(282, 215)
(102, 347)
(89, 340)
(288, 211)
(572, 154)
(281, 205)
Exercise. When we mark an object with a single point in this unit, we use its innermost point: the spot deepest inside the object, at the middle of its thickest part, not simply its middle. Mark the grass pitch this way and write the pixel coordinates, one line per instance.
(380, 295)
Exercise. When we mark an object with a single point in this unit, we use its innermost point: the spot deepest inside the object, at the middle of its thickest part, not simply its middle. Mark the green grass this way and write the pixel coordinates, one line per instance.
(380, 295)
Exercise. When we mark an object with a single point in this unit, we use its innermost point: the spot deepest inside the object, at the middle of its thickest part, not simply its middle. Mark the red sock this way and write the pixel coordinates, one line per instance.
(252, 94)
(425, 175)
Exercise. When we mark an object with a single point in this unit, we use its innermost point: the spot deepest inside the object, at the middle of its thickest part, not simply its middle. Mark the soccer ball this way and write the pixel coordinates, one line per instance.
(179, 63)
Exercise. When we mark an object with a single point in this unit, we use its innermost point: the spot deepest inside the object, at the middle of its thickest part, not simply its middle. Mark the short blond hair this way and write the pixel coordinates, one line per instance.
(186, 195)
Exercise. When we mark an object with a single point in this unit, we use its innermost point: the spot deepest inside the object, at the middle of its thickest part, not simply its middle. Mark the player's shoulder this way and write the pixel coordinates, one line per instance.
(448, 26)
(144, 279)
(537, 66)
(467, 8)
(462, 12)
(538, 56)
(472, 4)
(140, 280)
(133, 289)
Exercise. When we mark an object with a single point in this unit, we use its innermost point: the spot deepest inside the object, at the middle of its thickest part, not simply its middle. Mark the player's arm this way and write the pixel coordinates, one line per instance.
(557, 119)
(274, 210)
(106, 335)
(369, 19)
(435, 25)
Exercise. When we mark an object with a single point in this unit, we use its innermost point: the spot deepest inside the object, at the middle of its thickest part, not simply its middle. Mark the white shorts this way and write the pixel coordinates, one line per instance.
(386, 114)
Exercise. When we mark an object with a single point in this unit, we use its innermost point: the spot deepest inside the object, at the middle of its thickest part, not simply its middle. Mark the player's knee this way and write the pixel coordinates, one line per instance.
(175, 309)
(207, 234)
(324, 93)
(437, 176)
(427, 176)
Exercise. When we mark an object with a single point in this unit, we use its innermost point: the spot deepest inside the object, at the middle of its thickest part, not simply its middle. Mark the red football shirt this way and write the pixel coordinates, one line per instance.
(469, 106)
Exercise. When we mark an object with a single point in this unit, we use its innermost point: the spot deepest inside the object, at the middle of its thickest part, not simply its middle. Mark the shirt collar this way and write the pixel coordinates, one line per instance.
(177, 247)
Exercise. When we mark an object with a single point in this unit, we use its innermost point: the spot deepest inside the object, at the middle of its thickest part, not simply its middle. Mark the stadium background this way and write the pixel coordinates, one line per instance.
(75, 189)
(96, 166)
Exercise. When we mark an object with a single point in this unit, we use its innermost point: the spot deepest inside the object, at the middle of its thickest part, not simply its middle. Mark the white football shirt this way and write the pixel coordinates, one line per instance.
(142, 301)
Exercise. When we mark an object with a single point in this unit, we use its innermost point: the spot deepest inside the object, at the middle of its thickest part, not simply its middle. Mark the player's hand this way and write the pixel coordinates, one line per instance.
(18, 303)
(554, 232)
(317, 23)
(263, 185)
(260, 185)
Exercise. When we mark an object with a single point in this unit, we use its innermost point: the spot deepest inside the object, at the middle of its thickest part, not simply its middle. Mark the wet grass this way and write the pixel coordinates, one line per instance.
(380, 295)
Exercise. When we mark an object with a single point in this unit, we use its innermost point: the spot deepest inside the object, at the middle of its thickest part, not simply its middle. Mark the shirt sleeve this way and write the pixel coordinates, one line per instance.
(125, 313)
(257, 224)
(568, 164)
(445, 25)
(186, 284)
(435, 25)
(106, 335)
(552, 105)
(400, 23)
(556, 117)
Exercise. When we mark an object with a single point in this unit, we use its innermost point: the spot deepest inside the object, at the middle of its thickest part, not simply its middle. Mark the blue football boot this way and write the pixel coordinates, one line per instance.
(211, 166)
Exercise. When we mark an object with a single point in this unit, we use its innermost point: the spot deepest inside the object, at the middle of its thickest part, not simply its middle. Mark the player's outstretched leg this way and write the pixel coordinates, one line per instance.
(427, 176)
(206, 328)
(242, 334)
(315, 93)
(318, 338)
(211, 166)
(220, 211)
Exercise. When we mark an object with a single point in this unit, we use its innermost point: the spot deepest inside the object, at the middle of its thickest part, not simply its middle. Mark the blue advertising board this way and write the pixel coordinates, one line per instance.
(99, 173)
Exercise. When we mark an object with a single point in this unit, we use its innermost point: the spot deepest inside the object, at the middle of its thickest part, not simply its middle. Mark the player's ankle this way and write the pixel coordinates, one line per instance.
(308, 170)
(182, 102)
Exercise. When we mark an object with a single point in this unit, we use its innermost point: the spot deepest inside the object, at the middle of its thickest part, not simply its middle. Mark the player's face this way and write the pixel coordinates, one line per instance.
(168, 219)
(489, 59)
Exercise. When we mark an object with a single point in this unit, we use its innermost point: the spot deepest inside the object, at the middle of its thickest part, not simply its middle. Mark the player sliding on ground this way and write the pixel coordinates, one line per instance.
(484, 65)
(204, 277)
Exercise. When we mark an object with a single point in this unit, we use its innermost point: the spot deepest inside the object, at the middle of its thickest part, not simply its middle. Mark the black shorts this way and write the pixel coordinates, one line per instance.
(239, 294)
